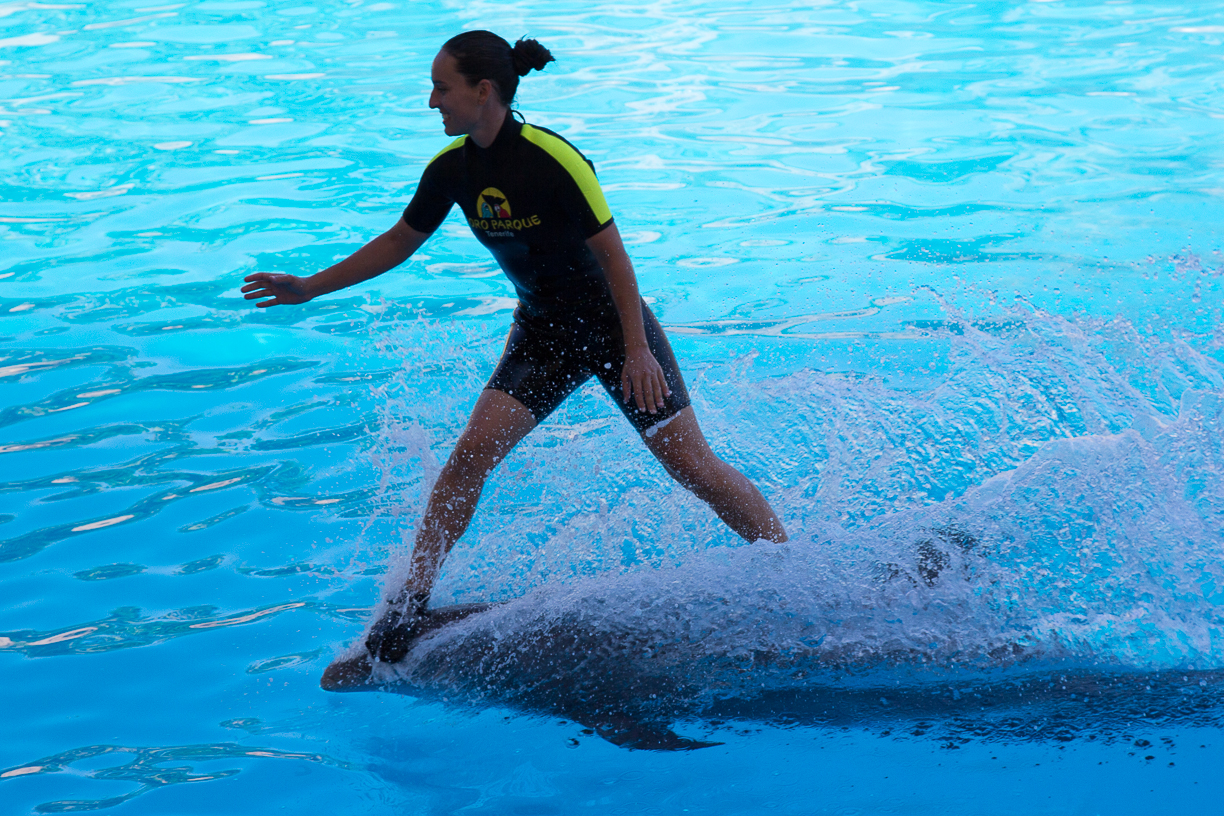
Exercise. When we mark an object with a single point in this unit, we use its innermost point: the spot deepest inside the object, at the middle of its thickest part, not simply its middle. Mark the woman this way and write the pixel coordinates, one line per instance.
(533, 200)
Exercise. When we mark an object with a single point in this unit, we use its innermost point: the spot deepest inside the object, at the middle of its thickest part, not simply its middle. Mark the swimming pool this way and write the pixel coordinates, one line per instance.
(945, 279)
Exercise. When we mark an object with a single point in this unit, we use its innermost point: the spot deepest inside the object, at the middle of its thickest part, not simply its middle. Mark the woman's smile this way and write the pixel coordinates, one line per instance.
(461, 104)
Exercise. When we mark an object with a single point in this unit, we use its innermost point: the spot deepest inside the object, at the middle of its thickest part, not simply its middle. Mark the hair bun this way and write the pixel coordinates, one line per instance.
(529, 55)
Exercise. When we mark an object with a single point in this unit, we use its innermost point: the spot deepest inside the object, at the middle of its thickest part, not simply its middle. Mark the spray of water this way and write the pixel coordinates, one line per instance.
(1050, 497)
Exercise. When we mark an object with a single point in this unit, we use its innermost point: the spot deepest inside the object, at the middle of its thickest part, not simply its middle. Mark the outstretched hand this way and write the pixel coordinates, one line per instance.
(283, 289)
(643, 382)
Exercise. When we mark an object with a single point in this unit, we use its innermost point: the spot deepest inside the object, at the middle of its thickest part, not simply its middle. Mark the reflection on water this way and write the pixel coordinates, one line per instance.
(143, 768)
(129, 627)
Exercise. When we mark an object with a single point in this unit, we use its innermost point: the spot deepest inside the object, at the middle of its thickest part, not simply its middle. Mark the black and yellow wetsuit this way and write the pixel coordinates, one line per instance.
(533, 200)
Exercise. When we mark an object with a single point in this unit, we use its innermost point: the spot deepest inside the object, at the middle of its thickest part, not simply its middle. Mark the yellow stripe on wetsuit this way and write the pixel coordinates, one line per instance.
(457, 143)
(575, 165)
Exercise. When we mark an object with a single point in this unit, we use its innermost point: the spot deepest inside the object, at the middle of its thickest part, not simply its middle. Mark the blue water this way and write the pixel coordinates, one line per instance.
(946, 280)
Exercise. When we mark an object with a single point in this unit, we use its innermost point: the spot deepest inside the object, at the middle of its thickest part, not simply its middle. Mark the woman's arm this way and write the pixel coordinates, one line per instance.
(387, 251)
(642, 378)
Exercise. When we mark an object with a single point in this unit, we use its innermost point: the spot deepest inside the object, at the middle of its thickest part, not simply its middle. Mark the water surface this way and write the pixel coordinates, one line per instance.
(936, 273)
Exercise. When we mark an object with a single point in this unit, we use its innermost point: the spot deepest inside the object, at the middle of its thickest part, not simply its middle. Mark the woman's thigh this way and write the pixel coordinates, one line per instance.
(498, 423)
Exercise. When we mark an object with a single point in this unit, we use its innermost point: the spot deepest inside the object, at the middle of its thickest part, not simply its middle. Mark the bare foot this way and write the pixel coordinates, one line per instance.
(394, 632)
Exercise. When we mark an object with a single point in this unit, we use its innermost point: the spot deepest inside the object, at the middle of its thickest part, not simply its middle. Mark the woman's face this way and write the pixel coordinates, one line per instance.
(460, 104)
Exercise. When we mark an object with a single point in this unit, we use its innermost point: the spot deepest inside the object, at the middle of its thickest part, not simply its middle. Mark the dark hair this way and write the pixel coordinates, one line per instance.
(484, 55)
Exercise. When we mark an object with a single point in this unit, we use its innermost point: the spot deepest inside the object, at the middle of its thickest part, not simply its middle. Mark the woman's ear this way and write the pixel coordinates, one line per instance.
(484, 90)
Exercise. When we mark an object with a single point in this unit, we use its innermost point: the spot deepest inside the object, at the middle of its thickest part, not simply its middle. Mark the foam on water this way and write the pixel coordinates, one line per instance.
(1046, 499)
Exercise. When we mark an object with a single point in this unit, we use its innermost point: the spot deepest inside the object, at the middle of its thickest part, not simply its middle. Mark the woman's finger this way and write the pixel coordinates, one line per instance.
(659, 384)
(639, 395)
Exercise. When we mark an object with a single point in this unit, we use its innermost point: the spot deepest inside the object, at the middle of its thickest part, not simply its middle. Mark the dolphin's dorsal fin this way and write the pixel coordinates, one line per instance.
(626, 732)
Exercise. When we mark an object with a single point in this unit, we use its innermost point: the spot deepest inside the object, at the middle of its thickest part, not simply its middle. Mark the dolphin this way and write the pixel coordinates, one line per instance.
(769, 635)
(617, 697)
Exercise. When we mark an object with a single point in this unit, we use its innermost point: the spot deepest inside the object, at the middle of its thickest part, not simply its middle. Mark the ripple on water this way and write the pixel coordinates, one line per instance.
(144, 768)
(130, 627)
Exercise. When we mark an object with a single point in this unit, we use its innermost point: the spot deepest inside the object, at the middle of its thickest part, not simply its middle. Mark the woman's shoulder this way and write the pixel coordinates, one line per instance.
(559, 149)
(570, 163)
(448, 151)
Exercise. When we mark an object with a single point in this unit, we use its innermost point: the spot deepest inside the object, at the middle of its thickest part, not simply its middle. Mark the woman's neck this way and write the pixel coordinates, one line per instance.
(490, 124)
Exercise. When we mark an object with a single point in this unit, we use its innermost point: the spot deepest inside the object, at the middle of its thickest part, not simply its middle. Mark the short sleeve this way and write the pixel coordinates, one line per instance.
(430, 204)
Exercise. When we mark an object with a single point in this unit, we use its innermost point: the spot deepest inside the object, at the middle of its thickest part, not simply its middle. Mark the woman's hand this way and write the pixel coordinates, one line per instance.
(283, 289)
(642, 380)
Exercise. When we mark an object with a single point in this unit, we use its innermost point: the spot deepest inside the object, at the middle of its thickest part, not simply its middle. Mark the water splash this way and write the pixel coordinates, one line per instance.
(1046, 499)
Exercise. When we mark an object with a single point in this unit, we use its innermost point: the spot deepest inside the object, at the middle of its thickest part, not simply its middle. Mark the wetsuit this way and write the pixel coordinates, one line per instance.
(533, 200)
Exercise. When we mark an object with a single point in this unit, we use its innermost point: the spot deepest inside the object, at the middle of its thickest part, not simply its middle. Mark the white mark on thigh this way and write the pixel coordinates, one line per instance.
(658, 426)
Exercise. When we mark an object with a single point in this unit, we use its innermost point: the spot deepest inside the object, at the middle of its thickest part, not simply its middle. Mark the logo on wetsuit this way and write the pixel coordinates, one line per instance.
(492, 203)
(494, 210)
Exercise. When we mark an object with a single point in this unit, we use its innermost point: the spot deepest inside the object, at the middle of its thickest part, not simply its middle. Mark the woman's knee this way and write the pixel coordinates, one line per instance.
(698, 471)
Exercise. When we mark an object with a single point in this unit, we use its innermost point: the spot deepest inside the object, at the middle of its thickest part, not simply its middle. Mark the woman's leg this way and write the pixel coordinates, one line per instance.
(497, 424)
(681, 447)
